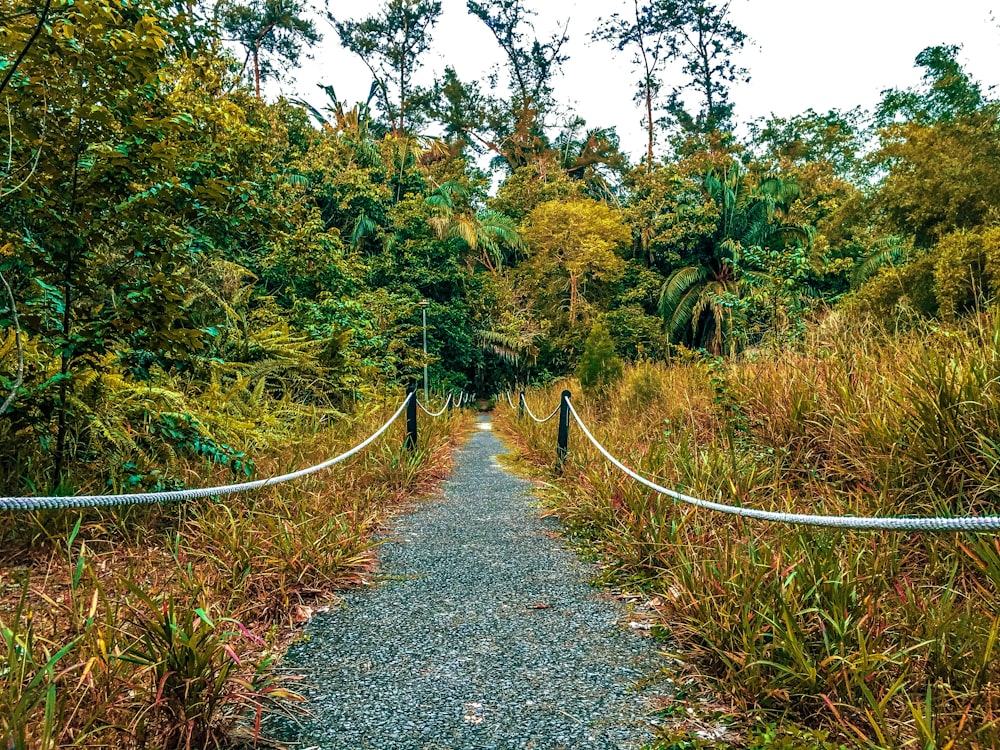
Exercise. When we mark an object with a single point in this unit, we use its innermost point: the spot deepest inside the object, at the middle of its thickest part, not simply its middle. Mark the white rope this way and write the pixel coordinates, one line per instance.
(509, 401)
(973, 523)
(529, 413)
(435, 414)
(82, 501)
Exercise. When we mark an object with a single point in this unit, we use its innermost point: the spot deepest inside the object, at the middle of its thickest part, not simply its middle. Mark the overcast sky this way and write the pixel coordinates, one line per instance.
(818, 55)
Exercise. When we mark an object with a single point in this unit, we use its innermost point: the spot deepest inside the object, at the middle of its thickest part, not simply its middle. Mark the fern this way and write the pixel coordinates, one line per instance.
(887, 251)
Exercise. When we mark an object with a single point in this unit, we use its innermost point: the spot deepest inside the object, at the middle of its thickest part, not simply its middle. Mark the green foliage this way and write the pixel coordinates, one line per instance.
(599, 366)
(958, 276)
(753, 261)
(192, 668)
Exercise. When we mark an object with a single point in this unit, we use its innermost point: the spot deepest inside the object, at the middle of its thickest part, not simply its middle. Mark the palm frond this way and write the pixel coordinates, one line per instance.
(887, 251)
(364, 226)
(676, 286)
(511, 347)
(683, 313)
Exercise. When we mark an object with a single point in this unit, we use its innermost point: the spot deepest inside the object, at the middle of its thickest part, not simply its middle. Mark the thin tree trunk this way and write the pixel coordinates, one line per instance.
(402, 75)
(256, 71)
(649, 125)
(572, 298)
(65, 357)
(64, 369)
(649, 88)
(707, 73)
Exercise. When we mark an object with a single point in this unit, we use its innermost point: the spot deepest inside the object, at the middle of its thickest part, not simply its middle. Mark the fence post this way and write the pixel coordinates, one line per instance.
(562, 448)
(520, 405)
(411, 420)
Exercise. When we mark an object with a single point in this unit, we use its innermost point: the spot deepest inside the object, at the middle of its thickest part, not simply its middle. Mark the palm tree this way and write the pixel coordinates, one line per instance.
(487, 232)
(595, 160)
(699, 301)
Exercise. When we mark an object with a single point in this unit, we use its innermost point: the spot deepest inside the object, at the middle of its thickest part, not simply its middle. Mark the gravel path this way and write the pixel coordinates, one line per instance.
(485, 634)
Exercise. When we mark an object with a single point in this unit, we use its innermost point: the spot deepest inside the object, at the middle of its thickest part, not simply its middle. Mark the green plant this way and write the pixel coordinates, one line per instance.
(31, 703)
(194, 684)
(599, 366)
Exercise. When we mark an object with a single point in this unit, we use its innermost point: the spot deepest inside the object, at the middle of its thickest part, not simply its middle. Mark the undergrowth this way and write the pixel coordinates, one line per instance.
(159, 626)
(881, 639)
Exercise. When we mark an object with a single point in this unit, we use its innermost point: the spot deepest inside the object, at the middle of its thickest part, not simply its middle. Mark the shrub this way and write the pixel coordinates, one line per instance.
(599, 366)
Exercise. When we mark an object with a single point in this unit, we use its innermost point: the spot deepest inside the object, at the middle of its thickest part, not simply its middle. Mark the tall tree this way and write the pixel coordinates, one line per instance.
(700, 300)
(577, 240)
(703, 40)
(531, 62)
(273, 33)
(644, 33)
(517, 124)
(947, 92)
(941, 163)
(392, 45)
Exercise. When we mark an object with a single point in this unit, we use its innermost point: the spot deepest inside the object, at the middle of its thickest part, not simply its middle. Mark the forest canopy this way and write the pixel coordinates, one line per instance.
(186, 265)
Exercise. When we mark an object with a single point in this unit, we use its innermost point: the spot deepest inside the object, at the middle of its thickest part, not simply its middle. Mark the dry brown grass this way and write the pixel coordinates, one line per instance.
(885, 639)
(176, 613)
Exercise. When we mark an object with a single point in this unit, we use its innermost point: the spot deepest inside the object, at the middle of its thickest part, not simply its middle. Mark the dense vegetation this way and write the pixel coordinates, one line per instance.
(841, 638)
(195, 280)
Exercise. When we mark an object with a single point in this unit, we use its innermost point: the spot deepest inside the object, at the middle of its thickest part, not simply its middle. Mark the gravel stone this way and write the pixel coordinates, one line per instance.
(483, 634)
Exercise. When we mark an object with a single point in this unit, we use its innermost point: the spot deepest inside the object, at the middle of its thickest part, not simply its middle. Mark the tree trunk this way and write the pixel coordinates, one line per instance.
(706, 67)
(62, 420)
(66, 353)
(573, 283)
(649, 88)
(649, 125)
(256, 70)
(402, 77)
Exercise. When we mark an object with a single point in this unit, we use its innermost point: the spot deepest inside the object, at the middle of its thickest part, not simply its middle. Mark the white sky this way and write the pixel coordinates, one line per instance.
(832, 54)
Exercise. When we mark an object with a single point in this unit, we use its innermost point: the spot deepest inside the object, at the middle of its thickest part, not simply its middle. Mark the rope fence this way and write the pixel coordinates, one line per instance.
(566, 410)
(435, 415)
(409, 406)
(528, 411)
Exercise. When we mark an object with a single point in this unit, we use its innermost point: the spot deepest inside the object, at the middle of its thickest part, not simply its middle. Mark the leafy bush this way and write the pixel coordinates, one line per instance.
(599, 366)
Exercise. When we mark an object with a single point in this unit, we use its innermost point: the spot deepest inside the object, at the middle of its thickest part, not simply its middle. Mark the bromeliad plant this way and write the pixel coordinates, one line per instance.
(192, 670)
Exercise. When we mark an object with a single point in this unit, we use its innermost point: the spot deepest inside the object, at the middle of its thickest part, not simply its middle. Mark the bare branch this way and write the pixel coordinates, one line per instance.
(27, 46)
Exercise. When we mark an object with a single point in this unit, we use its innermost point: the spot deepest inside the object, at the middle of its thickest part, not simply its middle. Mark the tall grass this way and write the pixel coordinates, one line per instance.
(887, 639)
(159, 626)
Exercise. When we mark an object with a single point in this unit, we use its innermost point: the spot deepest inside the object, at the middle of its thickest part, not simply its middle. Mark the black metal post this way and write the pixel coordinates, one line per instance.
(562, 448)
(411, 420)
(520, 405)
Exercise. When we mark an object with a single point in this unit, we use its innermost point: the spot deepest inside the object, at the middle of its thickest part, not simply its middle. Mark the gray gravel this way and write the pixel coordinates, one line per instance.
(484, 634)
